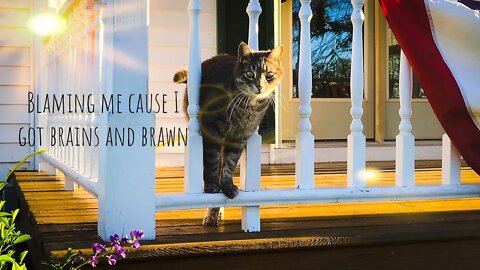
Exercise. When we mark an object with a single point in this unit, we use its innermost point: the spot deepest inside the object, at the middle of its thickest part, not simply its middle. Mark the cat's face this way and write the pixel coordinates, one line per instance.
(258, 72)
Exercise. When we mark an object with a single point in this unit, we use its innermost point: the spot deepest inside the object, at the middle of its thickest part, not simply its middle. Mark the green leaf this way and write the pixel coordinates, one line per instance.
(22, 256)
(14, 214)
(2, 229)
(5, 214)
(16, 266)
(6, 258)
(5, 220)
(22, 238)
(3, 184)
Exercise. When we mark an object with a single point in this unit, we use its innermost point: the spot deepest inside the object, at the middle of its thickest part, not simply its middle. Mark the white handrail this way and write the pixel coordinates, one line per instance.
(323, 195)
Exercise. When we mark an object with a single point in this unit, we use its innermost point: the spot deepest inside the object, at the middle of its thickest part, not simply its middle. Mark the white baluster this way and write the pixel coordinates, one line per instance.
(405, 141)
(90, 63)
(194, 149)
(250, 161)
(80, 85)
(63, 89)
(68, 90)
(93, 152)
(304, 167)
(451, 163)
(81, 82)
(93, 72)
(69, 183)
(253, 10)
(44, 118)
(72, 89)
(356, 141)
(55, 79)
(125, 172)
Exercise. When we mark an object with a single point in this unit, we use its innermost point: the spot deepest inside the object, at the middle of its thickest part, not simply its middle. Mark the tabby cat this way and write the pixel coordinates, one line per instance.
(235, 93)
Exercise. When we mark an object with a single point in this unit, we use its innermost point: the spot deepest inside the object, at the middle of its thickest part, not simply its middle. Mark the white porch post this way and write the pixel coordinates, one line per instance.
(405, 145)
(250, 161)
(451, 163)
(356, 141)
(126, 189)
(194, 150)
(304, 165)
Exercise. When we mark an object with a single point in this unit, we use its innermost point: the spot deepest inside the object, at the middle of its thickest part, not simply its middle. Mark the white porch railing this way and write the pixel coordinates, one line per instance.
(65, 67)
(85, 58)
(103, 54)
(305, 192)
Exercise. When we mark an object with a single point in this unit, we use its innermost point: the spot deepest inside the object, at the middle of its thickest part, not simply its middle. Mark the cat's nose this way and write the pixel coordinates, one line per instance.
(259, 88)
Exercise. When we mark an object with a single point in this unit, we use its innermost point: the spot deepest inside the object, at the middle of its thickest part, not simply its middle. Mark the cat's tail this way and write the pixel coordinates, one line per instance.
(180, 76)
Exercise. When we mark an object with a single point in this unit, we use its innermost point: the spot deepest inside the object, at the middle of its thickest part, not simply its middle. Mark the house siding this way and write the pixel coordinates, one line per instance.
(168, 53)
(15, 80)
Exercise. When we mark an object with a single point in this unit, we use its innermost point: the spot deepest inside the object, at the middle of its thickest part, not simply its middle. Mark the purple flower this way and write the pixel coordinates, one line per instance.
(136, 244)
(136, 234)
(98, 248)
(93, 261)
(120, 250)
(112, 260)
(125, 240)
(114, 238)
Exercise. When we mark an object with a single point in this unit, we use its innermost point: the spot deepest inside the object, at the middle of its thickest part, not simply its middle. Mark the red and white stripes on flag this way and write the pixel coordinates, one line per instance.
(441, 40)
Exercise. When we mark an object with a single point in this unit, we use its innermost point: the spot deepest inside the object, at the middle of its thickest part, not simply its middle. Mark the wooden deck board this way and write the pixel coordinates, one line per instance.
(58, 219)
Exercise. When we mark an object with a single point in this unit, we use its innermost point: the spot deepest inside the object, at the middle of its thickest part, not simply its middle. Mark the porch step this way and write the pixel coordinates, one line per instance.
(415, 234)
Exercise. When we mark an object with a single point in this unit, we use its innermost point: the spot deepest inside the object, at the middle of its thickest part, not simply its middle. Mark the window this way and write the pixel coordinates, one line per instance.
(394, 71)
(331, 39)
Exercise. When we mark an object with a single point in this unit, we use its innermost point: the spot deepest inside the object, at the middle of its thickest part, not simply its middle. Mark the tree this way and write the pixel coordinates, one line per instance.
(331, 35)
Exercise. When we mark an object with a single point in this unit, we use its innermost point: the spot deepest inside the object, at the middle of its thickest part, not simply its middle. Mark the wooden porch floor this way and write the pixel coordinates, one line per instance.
(58, 219)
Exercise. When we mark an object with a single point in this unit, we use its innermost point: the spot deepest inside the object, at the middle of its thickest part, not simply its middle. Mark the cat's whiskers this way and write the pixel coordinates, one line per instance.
(280, 100)
(271, 101)
(248, 101)
(233, 99)
(238, 101)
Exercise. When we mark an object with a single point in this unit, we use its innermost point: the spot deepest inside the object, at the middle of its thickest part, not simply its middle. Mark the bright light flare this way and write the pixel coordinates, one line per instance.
(47, 24)
(369, 175)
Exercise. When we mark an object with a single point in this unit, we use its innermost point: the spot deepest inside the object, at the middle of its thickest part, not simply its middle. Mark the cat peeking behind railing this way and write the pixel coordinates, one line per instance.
(235, 93)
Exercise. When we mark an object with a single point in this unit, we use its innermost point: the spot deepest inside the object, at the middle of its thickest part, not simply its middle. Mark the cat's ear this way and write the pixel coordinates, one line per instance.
(243, 50)
(277, 52)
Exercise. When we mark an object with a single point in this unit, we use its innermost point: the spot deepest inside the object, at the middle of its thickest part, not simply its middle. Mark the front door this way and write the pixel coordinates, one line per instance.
(331, 35)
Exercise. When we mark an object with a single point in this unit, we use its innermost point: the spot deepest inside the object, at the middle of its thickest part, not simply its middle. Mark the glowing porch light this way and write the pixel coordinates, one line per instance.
(47, 24)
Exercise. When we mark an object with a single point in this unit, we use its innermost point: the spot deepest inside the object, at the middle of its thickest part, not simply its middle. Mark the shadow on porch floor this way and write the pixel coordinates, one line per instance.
(58, 219)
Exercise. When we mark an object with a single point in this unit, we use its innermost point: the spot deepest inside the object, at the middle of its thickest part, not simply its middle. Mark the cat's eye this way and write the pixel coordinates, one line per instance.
(249, 74)
(269, 75)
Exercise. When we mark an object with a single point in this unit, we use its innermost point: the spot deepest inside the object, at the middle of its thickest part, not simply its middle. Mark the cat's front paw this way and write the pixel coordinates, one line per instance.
(211, 188)
(229, 190)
